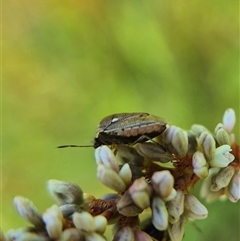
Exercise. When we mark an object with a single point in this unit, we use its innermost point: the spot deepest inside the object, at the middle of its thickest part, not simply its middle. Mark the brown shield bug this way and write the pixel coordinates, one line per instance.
(127, 128)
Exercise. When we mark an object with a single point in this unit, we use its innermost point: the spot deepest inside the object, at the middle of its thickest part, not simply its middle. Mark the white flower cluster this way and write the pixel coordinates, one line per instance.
(155, 175)
(170, 208)
(213, 162)
(63, 223)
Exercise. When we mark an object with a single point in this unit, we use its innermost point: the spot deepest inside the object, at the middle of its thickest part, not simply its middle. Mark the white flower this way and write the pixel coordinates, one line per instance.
(222, 157)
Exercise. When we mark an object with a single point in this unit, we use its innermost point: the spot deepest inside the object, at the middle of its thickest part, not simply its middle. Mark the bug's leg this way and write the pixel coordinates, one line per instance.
(144, 138)
(114, 148)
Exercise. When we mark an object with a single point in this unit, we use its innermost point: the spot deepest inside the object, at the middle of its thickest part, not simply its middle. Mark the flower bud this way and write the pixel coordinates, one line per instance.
(192, 142)
(176, 230)
(140, 193)
(222, 135)
(180, 142)
(222, 157)
(233, 189)
(110, 178)
(229, 119)
(205, 189)
(171, 196)
(208, 145)
(142, 236)
(175, 207)
(193, 208)
(162, 182)
(100, 224)
(200, 165)
(28, 211)
(126, 174)
(65, 192)
(124, 234)
(198, 130)
(94, 237)
(71, 234)
(25, 234)
(84, 221)
(176, 141)
(223, 178)
(53, 220)
(159, 214)
(105, 156)
(127, 207)
(68, 210)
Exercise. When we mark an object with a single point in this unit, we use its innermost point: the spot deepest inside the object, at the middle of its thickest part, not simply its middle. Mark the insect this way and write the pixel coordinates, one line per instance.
(127, 128)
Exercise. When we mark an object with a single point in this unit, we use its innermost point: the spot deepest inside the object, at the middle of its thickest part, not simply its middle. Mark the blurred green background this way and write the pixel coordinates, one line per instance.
(68, 64)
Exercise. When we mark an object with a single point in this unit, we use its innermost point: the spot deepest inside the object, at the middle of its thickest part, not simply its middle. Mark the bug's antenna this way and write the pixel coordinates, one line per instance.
(64, 146)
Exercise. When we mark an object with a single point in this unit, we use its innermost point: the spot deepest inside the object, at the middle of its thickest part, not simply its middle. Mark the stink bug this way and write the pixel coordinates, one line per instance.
(127, 128)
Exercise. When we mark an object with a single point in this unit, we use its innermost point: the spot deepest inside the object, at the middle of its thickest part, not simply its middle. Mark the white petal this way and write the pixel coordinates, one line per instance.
(222, 157)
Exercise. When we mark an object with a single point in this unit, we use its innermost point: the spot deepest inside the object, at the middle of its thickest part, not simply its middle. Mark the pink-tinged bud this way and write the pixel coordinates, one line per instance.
(229, 119)
(142, 236)
(200, 165)
(140, 192)
(124, 234)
